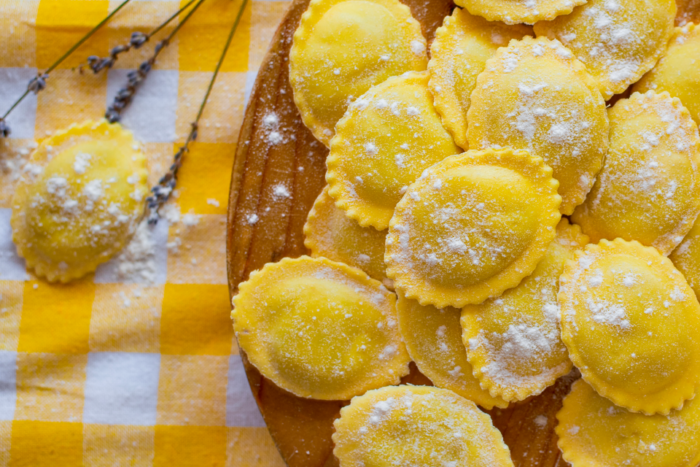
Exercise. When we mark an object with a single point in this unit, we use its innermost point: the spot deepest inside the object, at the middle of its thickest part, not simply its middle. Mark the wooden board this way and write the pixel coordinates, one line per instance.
(302, 428)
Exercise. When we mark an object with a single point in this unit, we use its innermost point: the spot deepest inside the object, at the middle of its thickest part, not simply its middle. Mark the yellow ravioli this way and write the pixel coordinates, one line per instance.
(344, 47)
(434, 341)
(519, 11)
(649, 187)
(80, 200)
(631, 324)
(471, 227)
(319, 329)
(514, 341)
(677, 71)
(457, 56)
(686, 257)
(688, 12)
(330, 233)
(593, 432)
(617, 40)
(535, 95)
(417, 426)
(383, 143)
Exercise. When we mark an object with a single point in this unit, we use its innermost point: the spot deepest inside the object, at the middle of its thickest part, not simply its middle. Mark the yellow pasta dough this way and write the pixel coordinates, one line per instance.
(535, 95)
(677, 71)
(514, 341)
(471, 227)
(319, 329)
(344, 47)
(688, 12)
(457, 56)
(649, 187)
(417, 426)
(434, 341)
(383, 143)
(519, 11)
(330, 233)
(593, 432)
(80, 200)
(686, 257)
(617, 40)
(631, 324)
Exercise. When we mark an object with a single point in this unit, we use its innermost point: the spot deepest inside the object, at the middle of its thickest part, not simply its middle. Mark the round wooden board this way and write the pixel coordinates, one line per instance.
(264, 228)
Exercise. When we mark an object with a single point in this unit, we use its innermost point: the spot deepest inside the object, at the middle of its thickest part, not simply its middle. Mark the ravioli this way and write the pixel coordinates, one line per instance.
(649, 187)
(344, 47)
(434, 341)
(383, 143)
(471, 227)
(319, 329)
(617, 40)
(677, 71)
(79, 201)
(514, 342)
(593, 431)
(417, 425)
(330, 233)
(457, 56)
(535, 95)
(519, 11)
(631, 321)
(686, 257)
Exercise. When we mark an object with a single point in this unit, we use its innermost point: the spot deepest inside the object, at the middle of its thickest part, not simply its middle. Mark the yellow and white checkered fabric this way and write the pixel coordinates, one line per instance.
(101, 372)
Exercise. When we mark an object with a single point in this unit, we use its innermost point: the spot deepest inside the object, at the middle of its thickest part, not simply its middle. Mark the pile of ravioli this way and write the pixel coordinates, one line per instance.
(516, 199)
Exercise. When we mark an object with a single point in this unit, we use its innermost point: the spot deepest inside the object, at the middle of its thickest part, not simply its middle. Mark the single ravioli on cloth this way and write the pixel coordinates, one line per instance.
(471, 227)
(458, 55)
(433, 339)
(617, 40)
(593, 431)
(80, 200)
(677, 71)
(519, 11)
(417, 426)
(330, 233)
(320, 329)
(649, 187)
(514, 341)
(383, 143)
(535, 95)
(344, 47)
(631, 323)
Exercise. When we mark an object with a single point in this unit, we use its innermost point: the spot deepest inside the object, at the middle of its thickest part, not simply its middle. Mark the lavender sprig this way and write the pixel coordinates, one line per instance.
(134, 78)
(137, 40)
(164, 189)
(38, 83)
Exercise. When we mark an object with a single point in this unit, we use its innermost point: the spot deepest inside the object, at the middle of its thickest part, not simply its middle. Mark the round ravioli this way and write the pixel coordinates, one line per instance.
(457, 56)
(417, 425)
(631, 324)
(79, 200)
(677, 71)
(617, 40)
(535, 95)
(593, 432)
(383, 143)
(344, 47)
(471, 227)
(514, 341)
(688, 12)
(519, 11)
(649, 187)
(434, 341)
(330, 233)
(319, 329)
(687, 257)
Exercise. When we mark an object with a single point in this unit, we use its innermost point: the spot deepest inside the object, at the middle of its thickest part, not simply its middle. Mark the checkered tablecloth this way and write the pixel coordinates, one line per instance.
(108, 372)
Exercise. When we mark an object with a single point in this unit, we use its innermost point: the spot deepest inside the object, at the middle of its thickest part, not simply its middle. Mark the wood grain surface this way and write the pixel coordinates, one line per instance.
(302, 428)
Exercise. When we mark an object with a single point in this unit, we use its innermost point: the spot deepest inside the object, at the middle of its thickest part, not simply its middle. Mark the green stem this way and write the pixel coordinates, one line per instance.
(175, 15)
